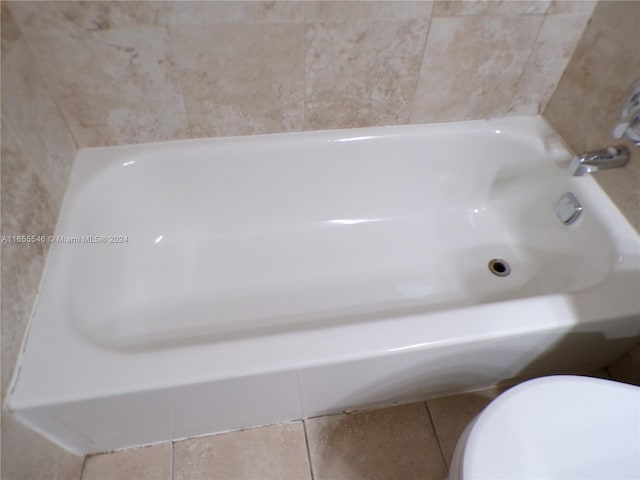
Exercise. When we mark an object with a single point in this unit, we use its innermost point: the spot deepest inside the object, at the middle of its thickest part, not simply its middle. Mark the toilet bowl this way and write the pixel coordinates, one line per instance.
(558, 427)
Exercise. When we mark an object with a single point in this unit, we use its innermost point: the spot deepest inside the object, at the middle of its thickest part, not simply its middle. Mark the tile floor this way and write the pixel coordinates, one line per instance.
(414, 441)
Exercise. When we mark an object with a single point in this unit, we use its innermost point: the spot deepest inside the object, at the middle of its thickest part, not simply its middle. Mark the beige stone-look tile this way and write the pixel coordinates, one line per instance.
(396, 443)
(27, 209)
(146, 463)
(472, 66)
(241, 79)
(70, 466)
(22, 267)
(551, 53)
(356, 10)
(273, 452)
(36, 121)
(210, 13)
(361, 73)
(623, 185)
(78, 18)
(579, 7)
(28, 456)
(588, 100)
(445, 8)
(10, 30)
(451, 415)
(114, 84)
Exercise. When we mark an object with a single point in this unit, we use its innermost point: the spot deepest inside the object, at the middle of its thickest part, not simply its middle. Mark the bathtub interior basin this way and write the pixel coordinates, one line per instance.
(234, 243)
(283, 276)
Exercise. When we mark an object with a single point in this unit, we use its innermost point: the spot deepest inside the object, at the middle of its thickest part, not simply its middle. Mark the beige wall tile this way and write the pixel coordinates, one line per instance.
(80, 18)
(28, 456)
(273, 452)
(241, 79)
(21, 270)
(146, 463)
(69, 466)
(10, 30)
(472, 66)
(360, 62)
(451, 415)
(580, 7)
(551, 53)
(587, 103)
(396, 443)
(110, 74)
(623, 187)
(36, 121)
(209, 13)
(490, 7)
(361, 73)
(37, 151)
(27, 206)
(355, 10)
(27, 209)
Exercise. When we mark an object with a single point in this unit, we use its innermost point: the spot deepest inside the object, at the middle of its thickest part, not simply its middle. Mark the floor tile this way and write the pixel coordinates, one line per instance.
(452, 414)
(26, 455)
(146, 463)
(393, 443)
(273, 452)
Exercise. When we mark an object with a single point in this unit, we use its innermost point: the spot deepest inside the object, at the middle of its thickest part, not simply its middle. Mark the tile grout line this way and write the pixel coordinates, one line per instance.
(435, 431)
(304, 69)
(178, 80)
(50, 92)
(411, 116)
(306, 441)
(84, 463)
(526, 64)
(173, 460)
(545, 104)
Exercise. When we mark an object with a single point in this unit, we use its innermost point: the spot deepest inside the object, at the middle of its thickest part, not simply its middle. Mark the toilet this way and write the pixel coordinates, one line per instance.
(557, 427)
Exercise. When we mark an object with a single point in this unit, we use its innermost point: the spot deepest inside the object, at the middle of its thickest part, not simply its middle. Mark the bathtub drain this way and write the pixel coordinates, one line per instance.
(499, 267)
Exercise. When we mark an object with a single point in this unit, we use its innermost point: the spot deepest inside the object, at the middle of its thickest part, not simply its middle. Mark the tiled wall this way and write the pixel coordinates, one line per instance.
(587, 104)
(588, 101)
(37, 151)
(132, 72)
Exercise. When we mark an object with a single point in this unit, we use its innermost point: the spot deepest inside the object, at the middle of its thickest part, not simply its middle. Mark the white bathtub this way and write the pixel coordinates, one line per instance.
(251, 280)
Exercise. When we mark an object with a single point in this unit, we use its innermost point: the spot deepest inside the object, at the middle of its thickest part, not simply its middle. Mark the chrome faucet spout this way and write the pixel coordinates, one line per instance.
(589, 162)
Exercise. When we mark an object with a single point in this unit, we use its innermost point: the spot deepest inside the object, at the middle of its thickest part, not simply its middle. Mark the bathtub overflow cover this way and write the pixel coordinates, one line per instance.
(499, 267)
